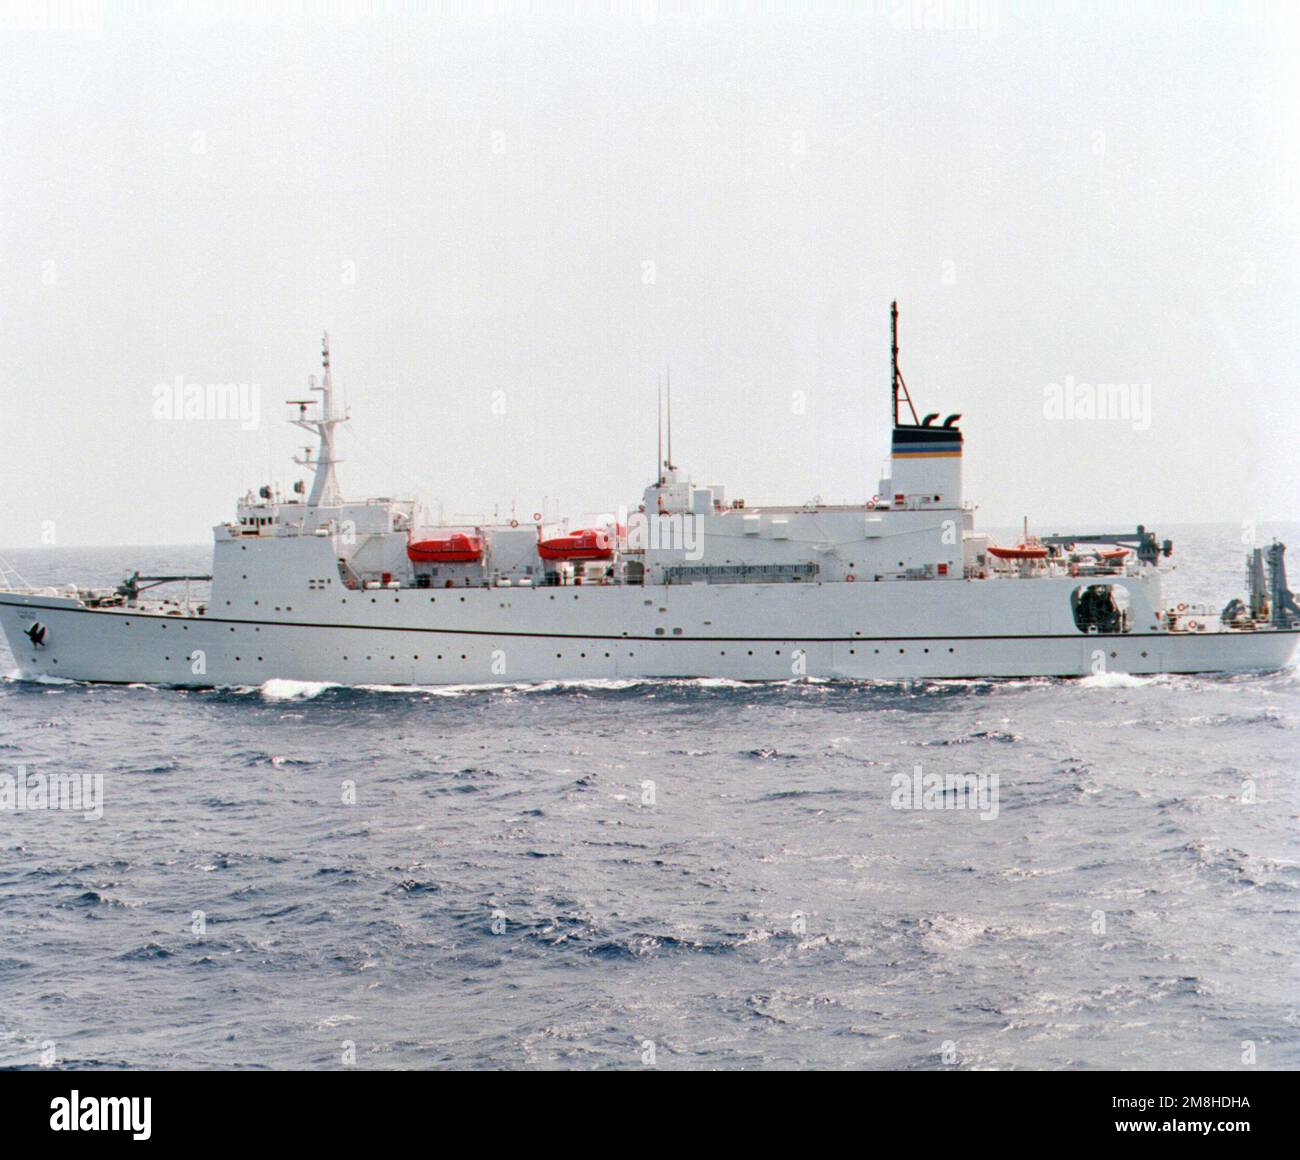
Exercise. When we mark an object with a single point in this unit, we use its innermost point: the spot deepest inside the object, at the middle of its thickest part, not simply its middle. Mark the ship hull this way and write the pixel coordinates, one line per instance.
(486, 639)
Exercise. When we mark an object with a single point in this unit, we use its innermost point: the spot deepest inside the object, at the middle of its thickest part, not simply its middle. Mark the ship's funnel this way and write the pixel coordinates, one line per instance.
(926, 465)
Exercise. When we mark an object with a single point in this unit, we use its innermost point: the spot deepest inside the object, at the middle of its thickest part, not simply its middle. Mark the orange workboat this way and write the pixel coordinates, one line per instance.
(1020, 552)
(458, 548)
(586, 544)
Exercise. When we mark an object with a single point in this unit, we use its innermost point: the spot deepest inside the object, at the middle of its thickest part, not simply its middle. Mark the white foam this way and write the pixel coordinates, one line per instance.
(278, 689)
(1116, 681)
(39, 678)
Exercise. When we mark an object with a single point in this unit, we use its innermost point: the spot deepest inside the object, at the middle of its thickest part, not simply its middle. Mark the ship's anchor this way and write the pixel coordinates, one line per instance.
(36, 634)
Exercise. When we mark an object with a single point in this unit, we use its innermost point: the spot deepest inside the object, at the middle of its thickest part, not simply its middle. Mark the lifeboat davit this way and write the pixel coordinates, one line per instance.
(1020, 552)
(586, 544)
(458, 548)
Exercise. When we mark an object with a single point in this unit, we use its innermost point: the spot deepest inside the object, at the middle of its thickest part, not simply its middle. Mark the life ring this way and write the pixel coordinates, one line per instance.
(850, 578)
(537, 517)
(1192, 624)
(871, 503)
(514, 523)
(1182, 608)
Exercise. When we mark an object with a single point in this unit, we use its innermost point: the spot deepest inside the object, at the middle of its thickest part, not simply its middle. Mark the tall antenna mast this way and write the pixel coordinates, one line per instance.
(659, 458)
(324, 488)
(671, 464)
(896, 376)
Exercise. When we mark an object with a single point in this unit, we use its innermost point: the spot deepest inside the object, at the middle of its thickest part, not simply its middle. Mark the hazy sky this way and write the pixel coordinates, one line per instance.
(511, 223)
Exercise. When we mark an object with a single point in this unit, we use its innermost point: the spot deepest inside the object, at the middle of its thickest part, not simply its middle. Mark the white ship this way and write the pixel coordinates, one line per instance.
(311, 587)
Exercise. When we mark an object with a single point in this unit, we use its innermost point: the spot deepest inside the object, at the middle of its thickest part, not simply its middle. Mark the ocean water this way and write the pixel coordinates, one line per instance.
(678, 874)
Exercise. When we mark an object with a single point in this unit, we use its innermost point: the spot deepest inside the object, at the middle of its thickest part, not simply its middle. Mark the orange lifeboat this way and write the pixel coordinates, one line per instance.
(1020, 552)
(586, 544)
(1113, 555)
(458, 548)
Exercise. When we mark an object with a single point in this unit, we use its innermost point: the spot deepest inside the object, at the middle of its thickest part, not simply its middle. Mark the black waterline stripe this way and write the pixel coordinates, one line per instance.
(652, 639)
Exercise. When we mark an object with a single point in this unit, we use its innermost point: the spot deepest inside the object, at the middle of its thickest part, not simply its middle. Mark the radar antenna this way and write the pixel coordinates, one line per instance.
(324, 488)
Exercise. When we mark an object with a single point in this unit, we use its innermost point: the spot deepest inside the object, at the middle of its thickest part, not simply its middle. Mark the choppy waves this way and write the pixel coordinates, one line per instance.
(723, 874)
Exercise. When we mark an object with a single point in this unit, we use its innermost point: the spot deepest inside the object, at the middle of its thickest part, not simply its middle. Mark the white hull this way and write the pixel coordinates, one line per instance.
(742, 632)
(308, 586)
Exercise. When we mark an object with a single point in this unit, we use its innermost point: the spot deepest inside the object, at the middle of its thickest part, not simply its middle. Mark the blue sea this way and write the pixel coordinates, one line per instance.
(655, 874)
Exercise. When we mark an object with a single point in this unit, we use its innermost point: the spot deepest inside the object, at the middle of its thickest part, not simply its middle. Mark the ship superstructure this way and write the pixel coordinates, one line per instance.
(688, 583)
